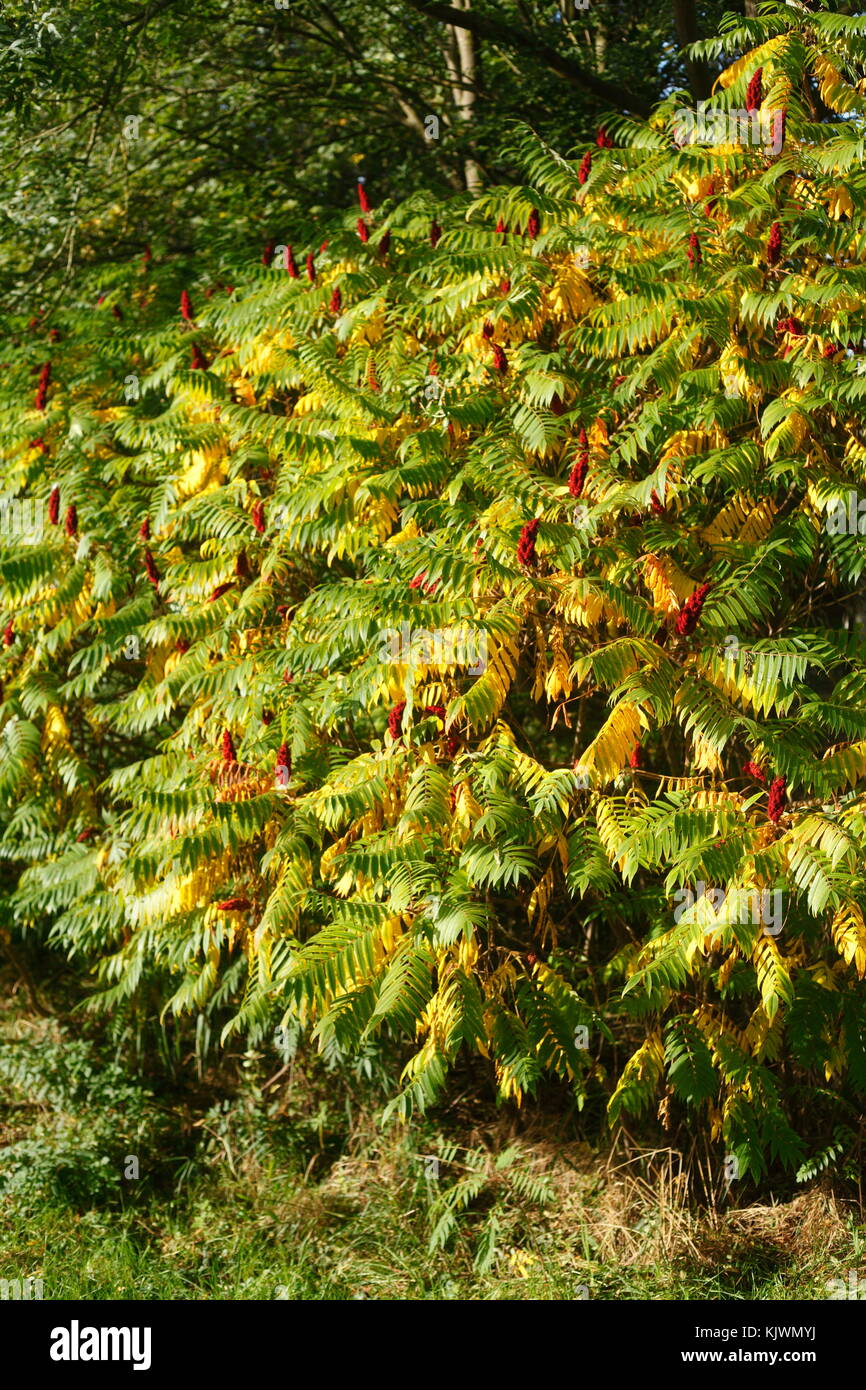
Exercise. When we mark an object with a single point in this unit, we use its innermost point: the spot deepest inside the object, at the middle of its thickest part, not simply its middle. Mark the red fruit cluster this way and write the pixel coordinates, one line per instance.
(42, 388)
(242, 565)
(39, 443)
(182, 645)
(336, 305)
(311, 268)
(144, 530)
(228, 748)
(830, 349)
(791, 325)
(419, 582)
(147, 255)
(54, 505)
(258, 517)
(694, 251)
(578, 474)
(268, 254)
(751, 769)
(362, 198)
(363, 230)
(150, 569)
(501, 228)
(526, 544)
(774, 244)
(199, 361)
(755, 92)
(385, 242)
(435, 233)
(500, 361)
(534, 224)
(220, 590)
(395, 719)
(487, 331)
(9, 634)
(437, 710)
(656, 504)
(372, 378)
(71, 521)
(777, 798)
(235, 905)
(636, 757)
(186, 307)
(585, 169)
(690, 614)
(603, 140)
(291, 265)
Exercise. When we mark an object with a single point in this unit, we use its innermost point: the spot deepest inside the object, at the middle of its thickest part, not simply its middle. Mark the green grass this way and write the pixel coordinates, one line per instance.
(251, 1190)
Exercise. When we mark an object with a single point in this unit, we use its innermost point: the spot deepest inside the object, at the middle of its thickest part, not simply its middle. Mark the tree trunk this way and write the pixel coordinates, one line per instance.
(461, 57)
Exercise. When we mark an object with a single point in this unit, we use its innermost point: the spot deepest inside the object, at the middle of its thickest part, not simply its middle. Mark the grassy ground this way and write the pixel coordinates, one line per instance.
(289, 1189)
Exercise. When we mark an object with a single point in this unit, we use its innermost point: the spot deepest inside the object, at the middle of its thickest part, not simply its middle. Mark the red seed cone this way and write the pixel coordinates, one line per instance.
(690, 613)
(500, 361)
(578, 474)
(144, 530)
(585, 169)
(150, 569)
(534, 224)
(311, 268)
(526, 544)
(755, 92)
(54, 505)
(435, 232)
(636, 757)
(336, 301)
(363, 200)
(603, 140)
(284, 757)
(71, 522)
(228, 748)
(395, 719)
(774, 244)
(258, 517)
(751, 769)
(42, 388)
(363, 230)
(291, 265)
(438, 711)
(777, 799)
(186, 307)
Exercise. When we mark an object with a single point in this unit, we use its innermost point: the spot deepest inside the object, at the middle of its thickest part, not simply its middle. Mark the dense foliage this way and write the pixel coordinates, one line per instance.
(421, 611)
